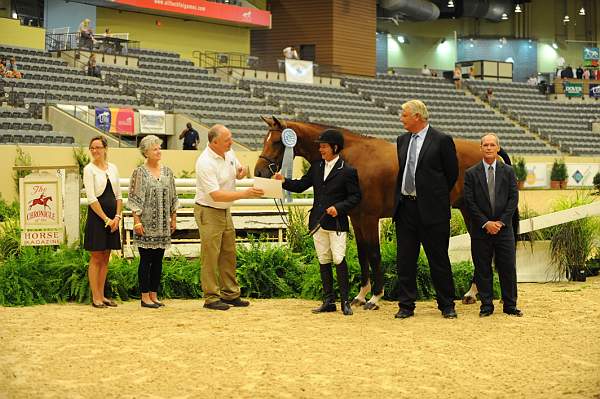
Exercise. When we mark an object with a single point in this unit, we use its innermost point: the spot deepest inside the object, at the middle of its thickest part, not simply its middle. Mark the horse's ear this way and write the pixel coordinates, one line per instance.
(267, 121)
(278, 123)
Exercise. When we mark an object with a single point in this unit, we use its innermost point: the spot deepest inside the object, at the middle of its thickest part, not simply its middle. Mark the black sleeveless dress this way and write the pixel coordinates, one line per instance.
(98, 237)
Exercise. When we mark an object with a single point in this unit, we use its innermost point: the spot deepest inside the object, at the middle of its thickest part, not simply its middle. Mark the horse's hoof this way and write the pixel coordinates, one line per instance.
(357, 302)
(370, 306)
(468, 300)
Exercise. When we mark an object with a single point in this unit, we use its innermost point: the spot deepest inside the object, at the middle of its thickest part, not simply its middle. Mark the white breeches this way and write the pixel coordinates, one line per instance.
(330, 246)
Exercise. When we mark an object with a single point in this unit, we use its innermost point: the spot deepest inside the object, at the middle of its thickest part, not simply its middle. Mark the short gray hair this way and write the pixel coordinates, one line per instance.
(148, 142)
(494, 135)
(416, 107)
(214, 132)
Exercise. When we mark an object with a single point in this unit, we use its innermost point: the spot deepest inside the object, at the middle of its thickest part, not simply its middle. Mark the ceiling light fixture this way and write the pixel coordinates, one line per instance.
(450, 4)
(582, 11)
(554, 46)
(401, 39)
(518, 8)
(566, 19)
(504, 16)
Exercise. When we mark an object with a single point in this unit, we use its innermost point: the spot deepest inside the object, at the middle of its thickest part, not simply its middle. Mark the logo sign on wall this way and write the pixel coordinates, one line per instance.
(41, 210)
(103, 119)
(591, 55)
(573, 89)
(122, 120)
(581, 174)
(152, 121)
(299, 71)
(594, 91)
(537, 175)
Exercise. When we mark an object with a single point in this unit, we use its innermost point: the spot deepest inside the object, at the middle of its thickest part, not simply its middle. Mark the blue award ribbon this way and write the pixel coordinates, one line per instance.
(289, 140)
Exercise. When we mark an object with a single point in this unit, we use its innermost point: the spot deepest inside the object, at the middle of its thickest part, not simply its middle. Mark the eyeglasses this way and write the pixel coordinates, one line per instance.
(96, 148)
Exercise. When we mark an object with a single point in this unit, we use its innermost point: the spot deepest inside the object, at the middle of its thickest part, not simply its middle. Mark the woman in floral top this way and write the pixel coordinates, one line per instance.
(153, 203)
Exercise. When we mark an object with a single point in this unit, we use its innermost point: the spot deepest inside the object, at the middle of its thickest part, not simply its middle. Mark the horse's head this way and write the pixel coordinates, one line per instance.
(269, 161)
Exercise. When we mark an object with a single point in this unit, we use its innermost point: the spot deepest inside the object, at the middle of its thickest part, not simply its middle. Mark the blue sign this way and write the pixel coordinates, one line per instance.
(594, 90)
(103, 119)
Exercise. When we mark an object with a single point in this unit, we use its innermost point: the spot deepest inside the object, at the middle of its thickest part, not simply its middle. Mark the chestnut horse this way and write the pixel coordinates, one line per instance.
(376, 162)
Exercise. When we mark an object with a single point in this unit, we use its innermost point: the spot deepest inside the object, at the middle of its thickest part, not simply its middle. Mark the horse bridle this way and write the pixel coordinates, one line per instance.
(272, 165)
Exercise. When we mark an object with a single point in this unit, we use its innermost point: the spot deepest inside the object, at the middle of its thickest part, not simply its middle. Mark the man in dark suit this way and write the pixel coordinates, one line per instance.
(428, 169)
(491, 197)
(336, 192)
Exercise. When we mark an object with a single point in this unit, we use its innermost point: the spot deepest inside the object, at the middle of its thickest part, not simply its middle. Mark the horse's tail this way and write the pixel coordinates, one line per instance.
(515, 222)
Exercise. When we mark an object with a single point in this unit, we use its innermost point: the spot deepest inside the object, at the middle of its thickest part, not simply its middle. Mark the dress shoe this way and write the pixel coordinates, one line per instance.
(149, 305)
(159, 303)
(513, 312)
(449, 314)
(346, 308)
(110, 302)
(404, 314)
(485, 313)
(237, 302)
(99, 305)
(325, 307)
(217, 305)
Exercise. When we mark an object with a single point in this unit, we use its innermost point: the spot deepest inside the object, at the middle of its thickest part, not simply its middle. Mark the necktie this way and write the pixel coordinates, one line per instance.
(409, 184)
(491, 186)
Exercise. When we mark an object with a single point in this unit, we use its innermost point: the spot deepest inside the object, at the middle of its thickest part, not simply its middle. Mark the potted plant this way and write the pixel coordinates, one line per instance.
(558, 175)
(520, 171)
(596, 183)
(572, 243)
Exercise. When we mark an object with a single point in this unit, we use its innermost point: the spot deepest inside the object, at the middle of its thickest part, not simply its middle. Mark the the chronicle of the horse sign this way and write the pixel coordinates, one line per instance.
(41, 210)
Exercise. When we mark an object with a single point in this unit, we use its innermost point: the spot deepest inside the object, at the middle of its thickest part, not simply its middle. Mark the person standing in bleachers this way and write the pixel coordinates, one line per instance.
(457, 77)
(190, 138)
(290, 53)
(92, 68)
(101, 183)
(86, 35)
(153, 203)
(425, 71)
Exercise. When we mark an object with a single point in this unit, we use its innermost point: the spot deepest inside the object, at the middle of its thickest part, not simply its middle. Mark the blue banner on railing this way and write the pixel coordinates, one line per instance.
(595, 90)
(103, 119)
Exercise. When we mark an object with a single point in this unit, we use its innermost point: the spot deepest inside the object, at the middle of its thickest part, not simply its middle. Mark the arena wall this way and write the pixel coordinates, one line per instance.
(13, 34)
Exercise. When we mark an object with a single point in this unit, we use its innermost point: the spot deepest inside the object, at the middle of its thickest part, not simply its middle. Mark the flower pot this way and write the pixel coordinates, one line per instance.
(563, 184)
(577, 275)
(555, 184)
(520, 184)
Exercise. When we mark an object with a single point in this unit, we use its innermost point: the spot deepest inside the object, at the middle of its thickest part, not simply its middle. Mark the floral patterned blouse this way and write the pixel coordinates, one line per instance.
(154, 200)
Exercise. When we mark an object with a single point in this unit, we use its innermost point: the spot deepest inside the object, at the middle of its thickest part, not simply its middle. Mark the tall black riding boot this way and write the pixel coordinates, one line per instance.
(328, 304)
(344, 283)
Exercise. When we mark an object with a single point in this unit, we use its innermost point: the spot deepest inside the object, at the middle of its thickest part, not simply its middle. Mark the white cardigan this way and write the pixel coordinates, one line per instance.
(94, 181)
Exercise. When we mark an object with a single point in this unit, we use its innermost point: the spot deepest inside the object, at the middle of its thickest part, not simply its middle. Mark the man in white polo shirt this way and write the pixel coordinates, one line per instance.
(216, 171)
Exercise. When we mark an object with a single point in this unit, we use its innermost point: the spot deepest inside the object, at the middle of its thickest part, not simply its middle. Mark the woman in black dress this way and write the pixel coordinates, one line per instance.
(101, 182)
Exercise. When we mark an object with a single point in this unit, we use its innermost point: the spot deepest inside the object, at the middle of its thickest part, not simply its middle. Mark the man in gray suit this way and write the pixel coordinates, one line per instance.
(491, 197)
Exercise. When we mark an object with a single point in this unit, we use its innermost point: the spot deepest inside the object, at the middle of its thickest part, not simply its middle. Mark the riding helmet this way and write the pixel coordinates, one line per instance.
(333, 137)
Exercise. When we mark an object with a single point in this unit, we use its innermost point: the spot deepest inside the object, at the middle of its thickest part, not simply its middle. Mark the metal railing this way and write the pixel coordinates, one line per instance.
(111, 44)
(219, 59)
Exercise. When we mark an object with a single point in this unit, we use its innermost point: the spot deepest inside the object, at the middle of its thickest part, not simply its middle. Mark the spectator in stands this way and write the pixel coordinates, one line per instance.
(216, 170)
(434, 73)
(101, 182)
(579, 72)
(290, 53)
(153, 203)
(92, 67)
(457, 77)
(491, 199)
(2, 66)
(86, 35)
(532, 81)
(471, 72)
(425, 71)
(586, 74)
(567, 73)
(489, 94)
(190, 137)
(12, 71)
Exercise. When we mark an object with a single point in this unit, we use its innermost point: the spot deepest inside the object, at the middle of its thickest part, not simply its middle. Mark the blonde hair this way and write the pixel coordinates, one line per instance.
(416, 107)
(148, 142)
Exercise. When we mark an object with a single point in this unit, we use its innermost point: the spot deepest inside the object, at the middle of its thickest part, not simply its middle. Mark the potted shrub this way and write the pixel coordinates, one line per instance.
(596, 183)
(520, 171)
(572, 243)
(558, 175)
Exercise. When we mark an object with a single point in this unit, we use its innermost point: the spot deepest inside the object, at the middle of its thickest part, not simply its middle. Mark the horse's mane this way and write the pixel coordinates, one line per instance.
(341, 129)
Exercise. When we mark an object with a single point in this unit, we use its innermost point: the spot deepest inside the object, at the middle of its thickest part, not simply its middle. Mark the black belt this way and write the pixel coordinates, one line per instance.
(409, 197)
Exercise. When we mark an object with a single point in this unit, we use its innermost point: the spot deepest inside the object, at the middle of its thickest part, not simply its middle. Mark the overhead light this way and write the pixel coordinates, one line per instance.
(14, 15)
(566, 19)
(582, 11)
(504, 16)
(401, 39)
(518, 8)
(450, 4)
(555, 46)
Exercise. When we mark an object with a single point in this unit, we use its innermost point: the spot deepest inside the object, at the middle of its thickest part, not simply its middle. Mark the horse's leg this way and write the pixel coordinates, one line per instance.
(470, 297)
(365, 282)
(371, 235)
